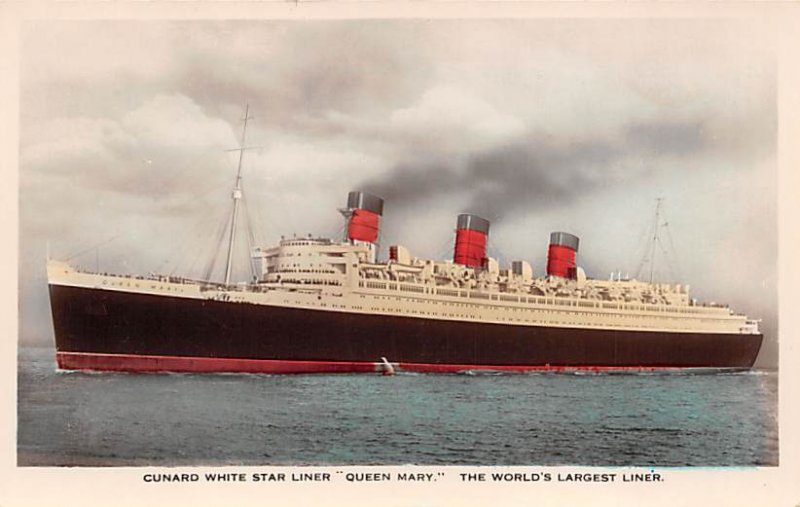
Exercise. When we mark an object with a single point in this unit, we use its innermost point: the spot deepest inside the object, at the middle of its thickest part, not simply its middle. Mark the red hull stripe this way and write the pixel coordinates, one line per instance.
(153, 364)
(141, 363)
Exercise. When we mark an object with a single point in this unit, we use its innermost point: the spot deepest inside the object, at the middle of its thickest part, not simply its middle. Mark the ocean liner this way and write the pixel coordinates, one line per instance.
(324, 305)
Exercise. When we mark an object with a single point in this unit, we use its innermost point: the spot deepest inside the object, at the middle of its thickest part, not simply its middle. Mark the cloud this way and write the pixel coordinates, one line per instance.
(667, 138)
(295, 73)
(134, 154)
(447, 118)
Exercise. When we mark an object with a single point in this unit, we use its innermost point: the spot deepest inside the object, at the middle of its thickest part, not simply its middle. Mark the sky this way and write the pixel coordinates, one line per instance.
(538, 125)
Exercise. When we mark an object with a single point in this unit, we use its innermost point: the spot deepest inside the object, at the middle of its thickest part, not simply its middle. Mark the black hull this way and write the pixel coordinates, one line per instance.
(109, 323)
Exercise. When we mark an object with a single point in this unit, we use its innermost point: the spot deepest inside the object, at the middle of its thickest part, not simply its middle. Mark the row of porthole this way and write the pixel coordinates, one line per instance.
(542, 322)
(585, 304)
(660, 317)
(417, 312)
(539, 310)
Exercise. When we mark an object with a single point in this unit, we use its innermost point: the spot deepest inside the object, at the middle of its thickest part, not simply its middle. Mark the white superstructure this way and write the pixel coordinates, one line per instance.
(325, 275)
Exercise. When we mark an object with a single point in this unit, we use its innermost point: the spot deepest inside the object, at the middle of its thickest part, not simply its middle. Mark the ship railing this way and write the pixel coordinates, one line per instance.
(151, 277)
(538, 299)
(750, 326)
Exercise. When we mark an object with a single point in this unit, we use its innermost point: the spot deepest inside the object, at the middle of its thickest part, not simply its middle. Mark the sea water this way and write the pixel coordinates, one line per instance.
(116, 419)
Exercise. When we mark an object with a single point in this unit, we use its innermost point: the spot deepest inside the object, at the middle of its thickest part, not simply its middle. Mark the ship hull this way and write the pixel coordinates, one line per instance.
(125, 331)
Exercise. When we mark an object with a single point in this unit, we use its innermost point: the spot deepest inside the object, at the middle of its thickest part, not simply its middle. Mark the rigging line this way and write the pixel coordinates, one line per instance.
(644, 247)
(674, 251)
(642, 251)
(174, 262)
(650, 247)
(339, 233)
(179, 173)
(175, 259)
(335, 232)
(210, 216)
(267, 222)
(661, 246)
(208, 252)
(218, 244)
(195, 197)
(642, 262)
(251, 240)
(190, 270)
(248, 216)
(216, 253)
(254, 219)
(634, 259)
(670, 254)
(447, 247)
(501, 259)
(182, 238)
(665, 256)
(655, 237)
(256, 214)
(170, 263)
(668, 258)
(92, 247)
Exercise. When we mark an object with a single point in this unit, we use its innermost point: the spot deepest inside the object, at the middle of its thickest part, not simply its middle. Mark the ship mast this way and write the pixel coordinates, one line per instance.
(655, 239)
(237, 196)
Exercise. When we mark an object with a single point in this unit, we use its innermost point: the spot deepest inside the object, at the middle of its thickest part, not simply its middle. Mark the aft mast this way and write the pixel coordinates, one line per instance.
(237, 196)
(655, 239)
(654, 242)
